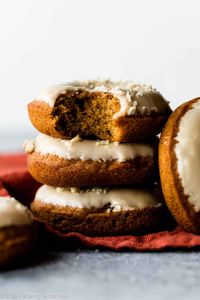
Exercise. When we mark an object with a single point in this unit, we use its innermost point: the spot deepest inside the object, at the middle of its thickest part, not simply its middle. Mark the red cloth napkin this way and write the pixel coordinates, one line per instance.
(16, 181)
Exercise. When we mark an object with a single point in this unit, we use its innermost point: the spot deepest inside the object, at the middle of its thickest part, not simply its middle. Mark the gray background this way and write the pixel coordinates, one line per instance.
(44, 42)
(106, 275)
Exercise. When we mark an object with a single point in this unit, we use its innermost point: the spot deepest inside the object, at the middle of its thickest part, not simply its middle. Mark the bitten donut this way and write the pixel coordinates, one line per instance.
(115, 111)
(17, 231)
(87, 163)
(179, 162)
(99, 211)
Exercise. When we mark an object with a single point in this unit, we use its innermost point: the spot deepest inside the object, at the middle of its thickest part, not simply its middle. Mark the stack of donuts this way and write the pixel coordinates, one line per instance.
(96, 157)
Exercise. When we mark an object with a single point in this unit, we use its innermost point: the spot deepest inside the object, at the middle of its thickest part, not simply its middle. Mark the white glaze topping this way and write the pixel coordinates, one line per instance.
(118, 199)
(87, 149)
(187, 151)
(133, 98)
(13, 213)
(29, 146)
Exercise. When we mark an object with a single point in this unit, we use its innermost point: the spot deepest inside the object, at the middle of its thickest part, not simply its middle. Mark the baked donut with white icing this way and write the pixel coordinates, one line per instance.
(179, 162)
(99, 212)
(17, 231)
(90, 163)
(116, 111)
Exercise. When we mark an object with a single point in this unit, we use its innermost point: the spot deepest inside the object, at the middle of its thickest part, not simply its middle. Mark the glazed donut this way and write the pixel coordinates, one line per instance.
(89, 163)
(115, 111)
(17, 231)
(179, 162)
(98, 212)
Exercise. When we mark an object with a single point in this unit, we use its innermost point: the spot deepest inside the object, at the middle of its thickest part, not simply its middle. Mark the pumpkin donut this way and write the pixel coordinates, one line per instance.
(90, 163)
(101, 212)
(179, 163)
(115, 111)
(17, 231)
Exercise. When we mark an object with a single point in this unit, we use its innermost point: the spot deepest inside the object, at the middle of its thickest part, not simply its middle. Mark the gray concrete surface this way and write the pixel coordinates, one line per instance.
(106, 275)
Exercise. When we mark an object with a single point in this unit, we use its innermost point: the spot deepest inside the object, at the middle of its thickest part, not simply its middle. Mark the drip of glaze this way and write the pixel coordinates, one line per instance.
(118, 199)
(88, 149)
